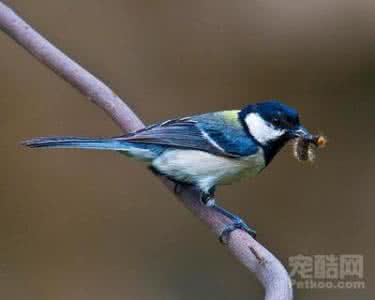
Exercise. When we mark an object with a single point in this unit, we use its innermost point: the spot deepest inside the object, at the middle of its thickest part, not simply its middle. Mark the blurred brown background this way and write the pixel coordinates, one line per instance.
(94, 225)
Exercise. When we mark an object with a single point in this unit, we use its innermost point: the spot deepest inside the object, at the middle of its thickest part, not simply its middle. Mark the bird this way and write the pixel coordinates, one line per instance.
(206, 150)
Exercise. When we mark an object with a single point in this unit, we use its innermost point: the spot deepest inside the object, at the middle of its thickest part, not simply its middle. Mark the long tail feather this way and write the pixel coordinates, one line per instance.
(76, 142)
(140, 151)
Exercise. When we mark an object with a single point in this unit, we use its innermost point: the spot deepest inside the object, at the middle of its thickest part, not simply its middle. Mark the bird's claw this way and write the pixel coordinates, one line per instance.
(239, 224)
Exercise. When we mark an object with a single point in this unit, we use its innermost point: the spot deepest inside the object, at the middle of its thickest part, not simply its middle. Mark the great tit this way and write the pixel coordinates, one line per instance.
(204, 150)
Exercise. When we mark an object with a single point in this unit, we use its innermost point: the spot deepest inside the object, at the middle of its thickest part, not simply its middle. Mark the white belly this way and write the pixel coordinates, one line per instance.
(207, 170)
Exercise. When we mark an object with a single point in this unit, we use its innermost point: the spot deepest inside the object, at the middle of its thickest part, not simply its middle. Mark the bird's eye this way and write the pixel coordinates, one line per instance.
(290, 122)
(276, 121)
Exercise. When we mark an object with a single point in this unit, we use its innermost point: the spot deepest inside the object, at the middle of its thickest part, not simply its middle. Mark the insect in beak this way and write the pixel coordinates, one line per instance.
(305, 144)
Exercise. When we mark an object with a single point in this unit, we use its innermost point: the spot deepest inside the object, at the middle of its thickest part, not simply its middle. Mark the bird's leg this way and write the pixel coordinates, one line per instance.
(208, 198)
(237, 223)
(177, 184)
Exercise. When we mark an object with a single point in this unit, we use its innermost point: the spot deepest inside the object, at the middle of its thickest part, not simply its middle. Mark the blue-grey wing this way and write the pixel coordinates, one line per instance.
(178, 133)
(204, 132)
(228, 132)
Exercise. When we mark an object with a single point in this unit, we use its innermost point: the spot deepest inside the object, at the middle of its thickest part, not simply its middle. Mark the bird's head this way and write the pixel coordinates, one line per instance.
(273, 123)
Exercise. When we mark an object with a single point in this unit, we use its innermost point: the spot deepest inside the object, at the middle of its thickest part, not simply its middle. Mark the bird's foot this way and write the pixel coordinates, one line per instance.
(208, 198)
(237, 224)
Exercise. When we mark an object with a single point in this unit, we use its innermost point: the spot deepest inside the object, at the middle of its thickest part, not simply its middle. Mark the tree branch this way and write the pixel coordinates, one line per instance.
(249, 252)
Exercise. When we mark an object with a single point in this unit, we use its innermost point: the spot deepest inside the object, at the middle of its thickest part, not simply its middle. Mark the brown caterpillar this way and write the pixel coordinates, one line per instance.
(304, 150)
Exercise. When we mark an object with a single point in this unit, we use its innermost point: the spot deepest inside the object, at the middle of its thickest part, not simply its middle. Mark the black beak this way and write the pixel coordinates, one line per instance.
(302, 132)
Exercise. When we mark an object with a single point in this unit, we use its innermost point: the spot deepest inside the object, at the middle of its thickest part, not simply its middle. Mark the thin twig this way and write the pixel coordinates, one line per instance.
(261, 262)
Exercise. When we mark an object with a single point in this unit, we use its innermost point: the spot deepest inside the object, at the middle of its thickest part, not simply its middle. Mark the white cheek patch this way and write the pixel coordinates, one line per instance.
(261, 130)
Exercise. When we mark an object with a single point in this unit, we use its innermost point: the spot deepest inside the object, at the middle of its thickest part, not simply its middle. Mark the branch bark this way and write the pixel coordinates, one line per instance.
(268, 269)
